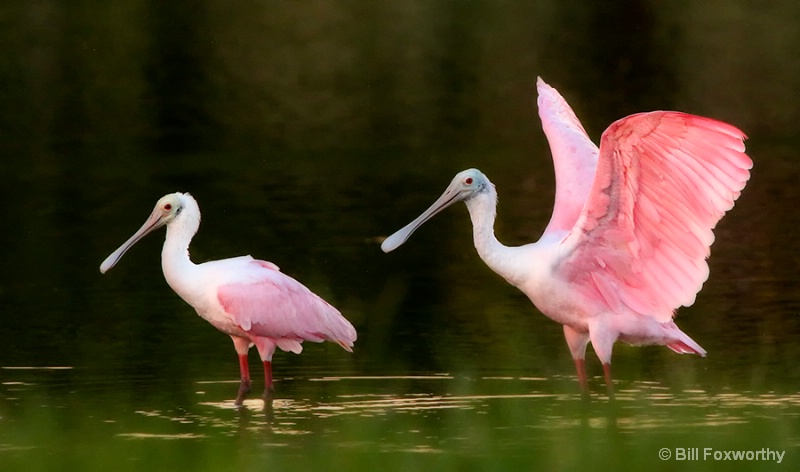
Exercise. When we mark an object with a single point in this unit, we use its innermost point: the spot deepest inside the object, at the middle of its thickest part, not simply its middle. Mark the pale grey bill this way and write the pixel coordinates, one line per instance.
(400, 236)
(152, 223)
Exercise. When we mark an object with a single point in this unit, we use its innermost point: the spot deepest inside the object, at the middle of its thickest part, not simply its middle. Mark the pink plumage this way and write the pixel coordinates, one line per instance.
(248, 299)
(276, 306)
(631, 227)
(663, 181)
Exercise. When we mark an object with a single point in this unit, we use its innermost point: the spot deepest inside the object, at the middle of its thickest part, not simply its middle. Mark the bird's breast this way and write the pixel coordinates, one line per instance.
(227, 326)
(555, 298)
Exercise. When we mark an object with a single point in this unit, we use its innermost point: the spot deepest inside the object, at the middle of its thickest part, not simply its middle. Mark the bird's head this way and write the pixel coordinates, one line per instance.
(465, 186)
(168, 209)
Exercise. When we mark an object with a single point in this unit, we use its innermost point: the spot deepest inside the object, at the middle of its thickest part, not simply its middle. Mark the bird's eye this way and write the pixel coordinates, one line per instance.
(468, 181)
(168, 206)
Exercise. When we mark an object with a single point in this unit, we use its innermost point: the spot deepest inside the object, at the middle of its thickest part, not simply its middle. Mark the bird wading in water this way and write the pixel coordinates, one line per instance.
(631, 227)
(250, 300)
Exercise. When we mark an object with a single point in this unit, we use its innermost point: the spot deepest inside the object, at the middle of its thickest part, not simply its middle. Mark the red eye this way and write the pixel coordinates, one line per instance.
(468, 181)
(168, 206)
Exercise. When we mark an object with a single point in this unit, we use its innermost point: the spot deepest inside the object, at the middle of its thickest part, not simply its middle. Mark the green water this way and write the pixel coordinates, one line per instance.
(308, 131)
(439, 421)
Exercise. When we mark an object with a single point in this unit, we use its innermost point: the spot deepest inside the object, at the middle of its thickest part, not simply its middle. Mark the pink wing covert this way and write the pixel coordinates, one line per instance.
(574, 157)
(663, 181)
(277, 306)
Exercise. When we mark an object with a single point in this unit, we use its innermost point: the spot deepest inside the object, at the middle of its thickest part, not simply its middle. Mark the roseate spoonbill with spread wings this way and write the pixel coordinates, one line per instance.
(631, 227)
(248, 299)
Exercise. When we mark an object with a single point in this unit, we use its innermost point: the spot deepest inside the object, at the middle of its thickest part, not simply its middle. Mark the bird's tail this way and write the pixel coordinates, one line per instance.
(685, 345)
(347, 347)
(338, 329)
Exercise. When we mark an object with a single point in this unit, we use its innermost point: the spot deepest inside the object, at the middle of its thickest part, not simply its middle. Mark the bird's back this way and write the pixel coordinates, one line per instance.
(264, 302)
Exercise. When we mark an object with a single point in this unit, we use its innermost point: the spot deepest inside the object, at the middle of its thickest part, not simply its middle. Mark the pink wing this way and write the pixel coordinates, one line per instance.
(274, 305)
(574, 157)
(664, 180)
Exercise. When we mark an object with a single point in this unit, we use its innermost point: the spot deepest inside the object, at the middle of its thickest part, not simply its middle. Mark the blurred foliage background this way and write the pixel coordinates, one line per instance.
(309, 130)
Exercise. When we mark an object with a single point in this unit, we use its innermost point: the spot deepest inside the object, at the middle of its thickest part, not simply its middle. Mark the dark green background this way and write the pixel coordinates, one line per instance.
(309, 130)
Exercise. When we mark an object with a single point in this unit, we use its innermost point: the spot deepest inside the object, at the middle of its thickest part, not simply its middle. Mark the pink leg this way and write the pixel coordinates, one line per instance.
(266, 347)
(244, 387)
(603, 339)
(580, 367)
(609, 382)
(242, 345)
(577, 342)
(268, 387)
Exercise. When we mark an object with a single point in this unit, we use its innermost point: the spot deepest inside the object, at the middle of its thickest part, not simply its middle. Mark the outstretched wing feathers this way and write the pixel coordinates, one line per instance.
(663, 181)
(574, 157)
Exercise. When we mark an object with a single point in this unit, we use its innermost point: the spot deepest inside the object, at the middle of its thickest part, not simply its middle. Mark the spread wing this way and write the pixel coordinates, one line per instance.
(663, 181)
(574, 157)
